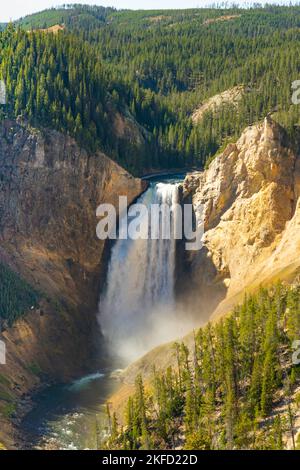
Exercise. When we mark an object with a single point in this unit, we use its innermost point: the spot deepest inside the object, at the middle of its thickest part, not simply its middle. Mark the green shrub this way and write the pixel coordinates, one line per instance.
(9, 410)
(34, 368)
(16, 295)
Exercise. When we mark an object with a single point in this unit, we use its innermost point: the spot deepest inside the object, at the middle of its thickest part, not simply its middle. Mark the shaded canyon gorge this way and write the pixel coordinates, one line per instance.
(250, 194)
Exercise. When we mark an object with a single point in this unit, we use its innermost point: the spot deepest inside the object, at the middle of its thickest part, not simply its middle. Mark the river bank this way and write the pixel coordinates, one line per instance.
(167, 173)
(68, 416)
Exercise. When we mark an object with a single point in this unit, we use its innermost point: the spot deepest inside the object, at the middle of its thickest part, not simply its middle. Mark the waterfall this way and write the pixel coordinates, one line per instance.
(137, 311)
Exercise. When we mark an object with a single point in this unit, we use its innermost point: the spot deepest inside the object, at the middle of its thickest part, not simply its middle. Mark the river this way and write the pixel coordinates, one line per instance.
(70, 416)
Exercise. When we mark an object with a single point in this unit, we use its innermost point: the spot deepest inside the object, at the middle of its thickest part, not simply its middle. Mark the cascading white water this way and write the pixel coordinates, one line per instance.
(137, 311)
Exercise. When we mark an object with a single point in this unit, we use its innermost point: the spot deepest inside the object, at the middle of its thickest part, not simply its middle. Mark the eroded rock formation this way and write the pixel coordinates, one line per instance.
(250, 195)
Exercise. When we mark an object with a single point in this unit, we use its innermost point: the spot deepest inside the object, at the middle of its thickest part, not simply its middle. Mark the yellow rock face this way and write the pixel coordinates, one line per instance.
(250, 195)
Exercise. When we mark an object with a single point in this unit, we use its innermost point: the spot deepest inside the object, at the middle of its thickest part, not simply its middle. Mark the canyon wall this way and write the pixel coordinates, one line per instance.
(49, 191)
(250, 197)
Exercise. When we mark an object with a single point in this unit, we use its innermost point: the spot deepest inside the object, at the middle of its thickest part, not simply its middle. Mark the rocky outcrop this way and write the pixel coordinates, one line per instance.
(250, 197)
(49, 191)
(232, 97)
(220, 19)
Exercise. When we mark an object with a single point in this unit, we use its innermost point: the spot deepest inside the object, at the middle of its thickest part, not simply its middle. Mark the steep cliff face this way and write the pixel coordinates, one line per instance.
(49, 192)
(250, 196)
(50, 189)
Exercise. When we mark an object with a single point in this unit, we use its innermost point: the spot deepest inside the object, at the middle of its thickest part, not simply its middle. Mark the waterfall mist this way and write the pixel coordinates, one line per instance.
(138, 310)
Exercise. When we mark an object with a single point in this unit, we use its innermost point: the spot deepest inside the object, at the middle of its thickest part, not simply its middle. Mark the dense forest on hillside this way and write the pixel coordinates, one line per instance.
(82, 16)
(158, 66)
(59, 82)
(16, 296)
(238, 387)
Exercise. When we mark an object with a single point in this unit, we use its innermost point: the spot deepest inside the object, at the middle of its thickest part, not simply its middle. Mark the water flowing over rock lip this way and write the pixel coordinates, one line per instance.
(132, 302)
